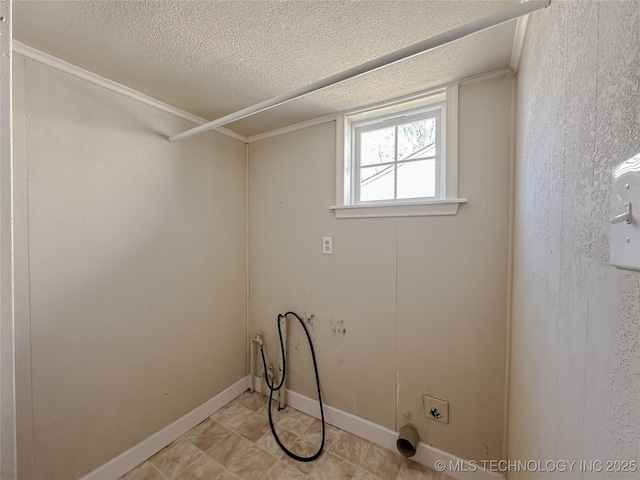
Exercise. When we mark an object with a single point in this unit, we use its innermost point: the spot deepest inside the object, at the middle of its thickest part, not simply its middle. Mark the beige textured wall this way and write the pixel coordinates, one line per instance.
(575, 389)
(423, 299)
(137, 261)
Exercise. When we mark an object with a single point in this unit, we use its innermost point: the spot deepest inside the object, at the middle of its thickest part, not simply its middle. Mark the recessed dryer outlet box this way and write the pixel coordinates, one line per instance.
(436, 409)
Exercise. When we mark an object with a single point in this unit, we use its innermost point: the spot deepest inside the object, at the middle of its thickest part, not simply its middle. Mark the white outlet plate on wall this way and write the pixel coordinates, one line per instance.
(327, 245)
(436, 409)
(625, 215)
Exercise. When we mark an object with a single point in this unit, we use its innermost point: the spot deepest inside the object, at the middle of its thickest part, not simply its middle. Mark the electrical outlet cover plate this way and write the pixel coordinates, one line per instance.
(436, 409)
(327, 245)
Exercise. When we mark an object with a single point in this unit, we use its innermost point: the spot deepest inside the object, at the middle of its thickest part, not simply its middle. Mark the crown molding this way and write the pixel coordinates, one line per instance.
(292, 128)
(518, 42)
(55, 62)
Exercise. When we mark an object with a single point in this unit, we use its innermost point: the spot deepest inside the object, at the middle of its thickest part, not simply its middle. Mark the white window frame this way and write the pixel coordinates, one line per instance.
(347, 205)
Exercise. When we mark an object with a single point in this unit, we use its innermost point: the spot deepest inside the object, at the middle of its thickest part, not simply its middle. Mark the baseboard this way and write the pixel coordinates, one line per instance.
(385, 437)
(115, 468)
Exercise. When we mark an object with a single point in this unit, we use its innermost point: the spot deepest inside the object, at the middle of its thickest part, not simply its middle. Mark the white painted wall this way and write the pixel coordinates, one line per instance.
(421, 300)
(135, 311)
(575, 389)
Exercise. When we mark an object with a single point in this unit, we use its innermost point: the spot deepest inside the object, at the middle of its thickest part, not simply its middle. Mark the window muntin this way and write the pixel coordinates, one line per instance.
(399, 158)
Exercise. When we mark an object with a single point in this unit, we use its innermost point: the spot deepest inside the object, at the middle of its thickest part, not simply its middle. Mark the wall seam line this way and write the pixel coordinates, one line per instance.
(32, 463)
(247, 269)
(33, 413)
(397, 392)
(510, 266)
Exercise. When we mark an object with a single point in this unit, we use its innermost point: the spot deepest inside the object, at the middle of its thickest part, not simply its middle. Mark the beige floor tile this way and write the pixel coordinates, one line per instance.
(282, 471)
(232, 415)
(203, 468)
(144, 471)
(227, 475)
(253, 465)
(364, 475)
(382, 462)
(441, 476)
(236, 443)
(349, 447)
(302, 448)
(229, 449)
(276, 414)
(254, 427)
(252, 400)
(269, 444)
(206, 434)
(314, 433)
(332, 467)
(174, 458)
(295, 421)
(411, 470)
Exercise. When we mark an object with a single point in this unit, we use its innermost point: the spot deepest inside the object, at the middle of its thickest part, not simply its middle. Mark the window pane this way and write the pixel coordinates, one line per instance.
(376, 183)
(377, 146)
(417, 139)
(417, 179)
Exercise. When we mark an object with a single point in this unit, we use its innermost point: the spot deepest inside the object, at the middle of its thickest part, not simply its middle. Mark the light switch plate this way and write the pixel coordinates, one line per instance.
(625, 215)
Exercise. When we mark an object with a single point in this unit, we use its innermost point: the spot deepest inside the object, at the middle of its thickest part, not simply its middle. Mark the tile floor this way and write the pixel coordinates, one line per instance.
(236, 443)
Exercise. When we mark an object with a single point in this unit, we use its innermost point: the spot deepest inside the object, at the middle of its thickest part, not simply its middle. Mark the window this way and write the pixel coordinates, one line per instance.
(399, 158)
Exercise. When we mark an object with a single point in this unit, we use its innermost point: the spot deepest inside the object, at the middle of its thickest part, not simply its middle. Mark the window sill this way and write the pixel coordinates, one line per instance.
(448, 206)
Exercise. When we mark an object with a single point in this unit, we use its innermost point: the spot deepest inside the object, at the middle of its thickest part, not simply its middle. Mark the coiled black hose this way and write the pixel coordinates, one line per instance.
(273, 388)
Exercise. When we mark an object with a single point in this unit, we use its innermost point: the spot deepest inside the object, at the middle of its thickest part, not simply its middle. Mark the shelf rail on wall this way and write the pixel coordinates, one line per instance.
(405, 53)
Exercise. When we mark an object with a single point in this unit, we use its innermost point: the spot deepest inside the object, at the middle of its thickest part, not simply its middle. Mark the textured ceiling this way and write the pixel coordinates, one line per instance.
(212, 58)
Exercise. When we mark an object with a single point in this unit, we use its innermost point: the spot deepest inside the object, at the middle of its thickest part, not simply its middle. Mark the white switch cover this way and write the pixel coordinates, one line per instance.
(625, 215)
(327, 245)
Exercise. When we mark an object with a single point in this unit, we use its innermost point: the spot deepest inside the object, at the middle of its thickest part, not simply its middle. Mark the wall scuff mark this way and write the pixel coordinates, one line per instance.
(337, 327)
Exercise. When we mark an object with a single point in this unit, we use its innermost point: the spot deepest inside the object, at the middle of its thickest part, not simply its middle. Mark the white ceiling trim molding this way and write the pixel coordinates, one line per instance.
(293, 127)
(518, 41)
(55, 62)
(481, 77)
(410, 51)
(332, 117)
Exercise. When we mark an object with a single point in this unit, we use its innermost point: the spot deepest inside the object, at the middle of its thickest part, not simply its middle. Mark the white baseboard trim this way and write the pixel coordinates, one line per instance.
(385, 437)
(137, 454)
